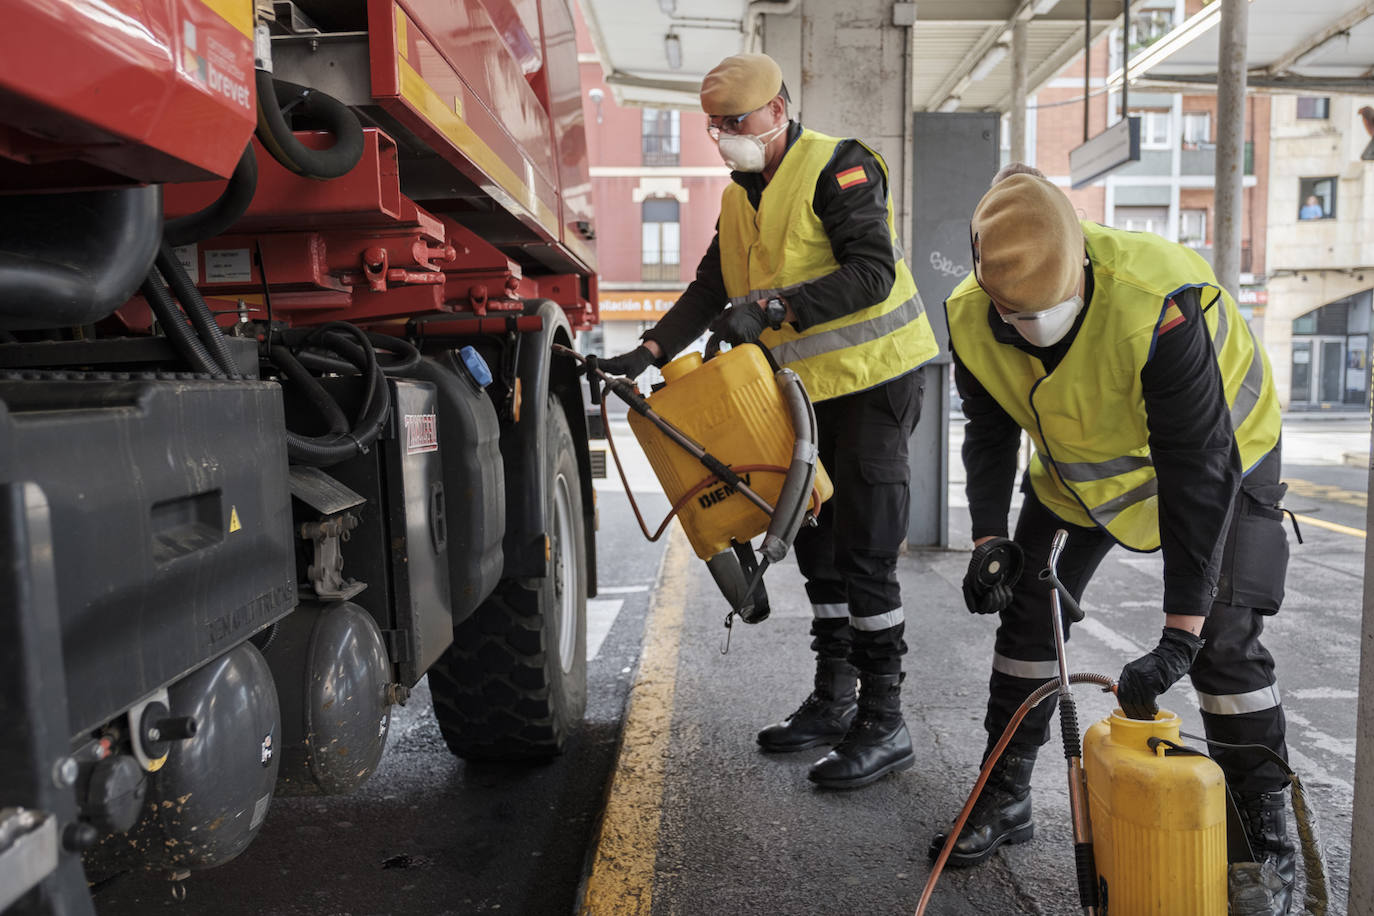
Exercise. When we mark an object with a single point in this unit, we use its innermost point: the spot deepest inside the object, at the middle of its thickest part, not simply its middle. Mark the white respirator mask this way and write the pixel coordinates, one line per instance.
(746, 152)
(1047, 327)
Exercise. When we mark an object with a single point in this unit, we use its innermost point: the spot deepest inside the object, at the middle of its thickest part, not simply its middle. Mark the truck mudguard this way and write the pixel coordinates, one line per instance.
(523, 443)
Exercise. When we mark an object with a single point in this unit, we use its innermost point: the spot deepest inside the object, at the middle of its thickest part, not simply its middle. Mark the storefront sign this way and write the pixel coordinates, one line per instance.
(636, 305)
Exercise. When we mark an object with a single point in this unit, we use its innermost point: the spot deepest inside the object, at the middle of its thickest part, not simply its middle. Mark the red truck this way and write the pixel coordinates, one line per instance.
(282, 427)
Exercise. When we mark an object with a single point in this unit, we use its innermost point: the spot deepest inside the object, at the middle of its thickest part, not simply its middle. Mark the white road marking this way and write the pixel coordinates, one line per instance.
(1342, 747)
(621, 589)
(600, 615)
(1323, 693)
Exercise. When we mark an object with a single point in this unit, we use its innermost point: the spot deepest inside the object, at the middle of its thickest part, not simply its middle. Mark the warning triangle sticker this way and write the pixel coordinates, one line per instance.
(234, 523)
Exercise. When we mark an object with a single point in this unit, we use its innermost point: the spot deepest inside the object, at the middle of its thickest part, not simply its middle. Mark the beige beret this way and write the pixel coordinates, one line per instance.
(1028, 245)
(740, 84)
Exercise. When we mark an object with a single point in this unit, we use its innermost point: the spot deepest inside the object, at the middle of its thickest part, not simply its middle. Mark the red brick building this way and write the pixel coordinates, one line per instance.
(656, 183)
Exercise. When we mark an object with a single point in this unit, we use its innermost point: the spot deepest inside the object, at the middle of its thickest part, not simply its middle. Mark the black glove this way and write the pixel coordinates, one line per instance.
(992, 571)
(1150, 675)
(630, 365)
(740, 324)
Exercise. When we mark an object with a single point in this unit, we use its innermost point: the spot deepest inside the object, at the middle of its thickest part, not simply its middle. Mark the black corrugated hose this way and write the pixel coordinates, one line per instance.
(196, 309)
(276, 97)
(224, 212)
(174, 325)
(352, 344)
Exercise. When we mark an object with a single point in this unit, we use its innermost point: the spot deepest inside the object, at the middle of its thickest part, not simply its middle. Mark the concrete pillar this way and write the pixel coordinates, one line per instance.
(1230, 163)
(1362, 825)
(1019, 77)
(849, 69)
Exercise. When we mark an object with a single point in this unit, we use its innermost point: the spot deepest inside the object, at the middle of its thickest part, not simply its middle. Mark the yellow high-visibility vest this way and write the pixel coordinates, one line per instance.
(1092, 463)
(773, 250)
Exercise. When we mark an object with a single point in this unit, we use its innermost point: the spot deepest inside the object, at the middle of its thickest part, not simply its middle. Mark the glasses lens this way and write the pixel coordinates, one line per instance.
(728, 124)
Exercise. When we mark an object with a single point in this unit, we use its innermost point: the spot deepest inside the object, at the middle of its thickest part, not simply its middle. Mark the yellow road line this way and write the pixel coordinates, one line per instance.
(1329, 526)
(621, 882)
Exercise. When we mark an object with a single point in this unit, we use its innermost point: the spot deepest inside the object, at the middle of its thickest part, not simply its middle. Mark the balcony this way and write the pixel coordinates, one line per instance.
(660, 273)
(1202, 160)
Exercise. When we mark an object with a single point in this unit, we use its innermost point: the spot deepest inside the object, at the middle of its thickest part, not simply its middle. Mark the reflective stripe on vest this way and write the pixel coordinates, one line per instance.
(1092, 463)
(775, 249)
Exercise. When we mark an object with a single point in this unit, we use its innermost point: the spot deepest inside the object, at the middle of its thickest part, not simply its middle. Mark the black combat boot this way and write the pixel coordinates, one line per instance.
(1268, 890)
(1002, 814)
(823, 717)
(876, 744)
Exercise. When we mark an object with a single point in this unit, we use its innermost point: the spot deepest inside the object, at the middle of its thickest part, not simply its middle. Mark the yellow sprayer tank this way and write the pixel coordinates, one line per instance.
(732, 407)
(1159, 823)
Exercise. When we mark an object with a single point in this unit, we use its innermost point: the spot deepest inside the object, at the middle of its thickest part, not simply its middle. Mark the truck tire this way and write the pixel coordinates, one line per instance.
(513, 686)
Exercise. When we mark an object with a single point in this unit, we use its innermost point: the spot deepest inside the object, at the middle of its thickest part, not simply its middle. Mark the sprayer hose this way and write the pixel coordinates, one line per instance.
(1044, 692)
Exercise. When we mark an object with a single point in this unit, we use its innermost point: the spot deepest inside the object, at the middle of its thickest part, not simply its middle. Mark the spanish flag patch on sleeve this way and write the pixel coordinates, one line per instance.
(850, 178)
(1173, 317)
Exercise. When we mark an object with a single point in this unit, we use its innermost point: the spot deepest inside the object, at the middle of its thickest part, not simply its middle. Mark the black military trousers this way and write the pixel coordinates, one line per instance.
(850, 558)
(1233, 674)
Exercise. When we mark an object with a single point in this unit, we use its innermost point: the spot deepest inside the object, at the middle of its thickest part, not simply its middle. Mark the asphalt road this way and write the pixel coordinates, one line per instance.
(699, 822)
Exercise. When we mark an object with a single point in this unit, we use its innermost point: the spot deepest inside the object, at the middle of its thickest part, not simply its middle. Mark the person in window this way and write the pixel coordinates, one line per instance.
(1312, 209)
(806, 258)
(1156, 426)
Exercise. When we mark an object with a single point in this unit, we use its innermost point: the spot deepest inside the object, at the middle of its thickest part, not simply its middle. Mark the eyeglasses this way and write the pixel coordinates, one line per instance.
(726, 124)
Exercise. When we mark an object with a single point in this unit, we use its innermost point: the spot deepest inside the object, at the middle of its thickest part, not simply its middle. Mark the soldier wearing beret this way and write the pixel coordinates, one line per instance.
(806, 262)
(1155, 423)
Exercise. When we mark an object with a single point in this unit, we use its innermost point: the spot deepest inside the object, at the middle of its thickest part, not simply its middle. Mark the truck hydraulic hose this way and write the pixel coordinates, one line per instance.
(350, 342)
(1044, 692)
(173, 324)
(72, 259)
(276, 97)
(224, 212)
(169, 265)
(314, 392)
(407, 356)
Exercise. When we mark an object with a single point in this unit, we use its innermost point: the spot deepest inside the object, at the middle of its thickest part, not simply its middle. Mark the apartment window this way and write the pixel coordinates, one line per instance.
(1154, 129)
(661, 239)
(1317, 198)
(1197, 129)
(1313, 108)
(1150, 26)
(1192, 228)
(662, 136)
(1143, 219)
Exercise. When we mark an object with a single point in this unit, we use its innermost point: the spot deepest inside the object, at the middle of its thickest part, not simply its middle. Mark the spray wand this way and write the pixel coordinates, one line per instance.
(1068, 727)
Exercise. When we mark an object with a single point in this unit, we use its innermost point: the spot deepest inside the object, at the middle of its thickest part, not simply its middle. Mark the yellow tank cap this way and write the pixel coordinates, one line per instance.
(681, 366)
(1137, 732)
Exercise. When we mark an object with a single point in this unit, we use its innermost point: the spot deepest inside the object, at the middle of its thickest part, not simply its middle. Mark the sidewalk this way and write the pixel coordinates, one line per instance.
(734, 830)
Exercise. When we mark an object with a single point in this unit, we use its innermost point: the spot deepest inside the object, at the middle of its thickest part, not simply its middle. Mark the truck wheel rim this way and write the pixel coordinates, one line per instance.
(564, 572)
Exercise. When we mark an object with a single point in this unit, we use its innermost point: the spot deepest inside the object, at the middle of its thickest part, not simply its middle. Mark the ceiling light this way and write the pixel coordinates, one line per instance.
(669, 7)
(988, 61)
(1044, 6)
(672, 48)
(949, 104)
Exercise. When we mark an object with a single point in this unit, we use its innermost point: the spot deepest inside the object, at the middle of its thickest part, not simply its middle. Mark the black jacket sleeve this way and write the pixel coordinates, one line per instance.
(1196, 460)
(695, 309)
(855, 220)
(992, 440)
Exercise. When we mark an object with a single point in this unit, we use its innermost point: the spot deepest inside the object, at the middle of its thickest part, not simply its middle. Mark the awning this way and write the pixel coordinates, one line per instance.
(1311, 46)
(656, 54)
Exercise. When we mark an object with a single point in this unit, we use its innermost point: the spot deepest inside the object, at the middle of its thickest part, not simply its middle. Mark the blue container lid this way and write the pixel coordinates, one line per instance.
(477, 366)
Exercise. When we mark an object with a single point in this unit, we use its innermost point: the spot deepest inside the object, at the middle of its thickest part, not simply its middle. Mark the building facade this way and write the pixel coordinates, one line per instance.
(1321, 246)
(657, 181)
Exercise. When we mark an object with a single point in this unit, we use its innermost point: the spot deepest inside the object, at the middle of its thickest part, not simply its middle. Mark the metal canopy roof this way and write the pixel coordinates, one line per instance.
(952, 39)
(632, 40)
(1292, 45)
